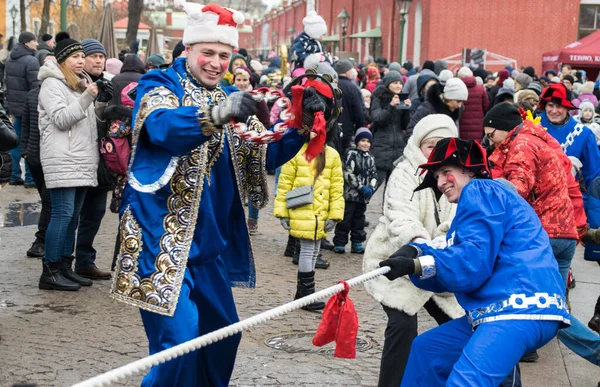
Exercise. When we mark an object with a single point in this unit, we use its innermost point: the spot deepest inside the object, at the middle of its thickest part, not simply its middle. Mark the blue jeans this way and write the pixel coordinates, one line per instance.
(15, 155)
(252, 211)
(578, 338)
(60, 236)
(277, 173)
(564, 251)
(594, 188)
(455, 355)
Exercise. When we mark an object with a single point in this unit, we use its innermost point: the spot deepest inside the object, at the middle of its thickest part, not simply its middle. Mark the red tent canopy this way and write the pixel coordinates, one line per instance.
(582, 54)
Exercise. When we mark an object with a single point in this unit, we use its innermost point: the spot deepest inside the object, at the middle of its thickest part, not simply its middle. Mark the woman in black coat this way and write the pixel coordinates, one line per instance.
(8, 141)
(390, 117)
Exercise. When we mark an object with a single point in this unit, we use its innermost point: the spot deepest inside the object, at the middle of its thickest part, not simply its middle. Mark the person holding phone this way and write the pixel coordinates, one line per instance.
(390, 116)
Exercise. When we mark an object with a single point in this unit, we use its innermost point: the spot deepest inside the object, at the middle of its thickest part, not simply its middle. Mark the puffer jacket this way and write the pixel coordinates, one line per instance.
(308, 222)
(8, 141)
(132, 71)
(534, 167)
(388, 128)
(68, 136)
(433, 104)
(42, 52)
(21, 76)
(30, 133)
(470, 125)
(359, 170)
(408, 215)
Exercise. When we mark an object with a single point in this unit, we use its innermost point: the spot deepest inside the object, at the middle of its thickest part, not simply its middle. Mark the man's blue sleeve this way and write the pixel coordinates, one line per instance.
(280, 152)
(590, 158)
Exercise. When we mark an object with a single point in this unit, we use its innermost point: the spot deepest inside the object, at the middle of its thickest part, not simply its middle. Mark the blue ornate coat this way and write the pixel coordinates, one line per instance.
(186, 185)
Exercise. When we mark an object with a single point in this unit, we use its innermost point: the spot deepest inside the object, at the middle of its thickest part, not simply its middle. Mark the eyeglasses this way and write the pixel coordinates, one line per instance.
(490, 134)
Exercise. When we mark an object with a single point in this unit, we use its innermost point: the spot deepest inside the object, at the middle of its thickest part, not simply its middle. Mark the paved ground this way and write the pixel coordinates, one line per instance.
(58, 338)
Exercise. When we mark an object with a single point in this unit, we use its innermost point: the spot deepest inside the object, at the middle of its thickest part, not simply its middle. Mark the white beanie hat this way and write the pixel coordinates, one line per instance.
(445, 74)
(587, 105)
(314, 25)
(210, 23)
(256, 65)
(456, 90)
(509, 84)
(464, 72)
(435, 125)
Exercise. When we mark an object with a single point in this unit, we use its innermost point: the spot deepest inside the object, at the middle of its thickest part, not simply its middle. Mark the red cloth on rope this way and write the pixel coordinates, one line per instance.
(339, 323)
(295, 120)
(315, 146)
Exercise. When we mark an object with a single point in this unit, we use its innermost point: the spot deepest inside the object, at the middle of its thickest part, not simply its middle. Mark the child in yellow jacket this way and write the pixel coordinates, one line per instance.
(311, 222)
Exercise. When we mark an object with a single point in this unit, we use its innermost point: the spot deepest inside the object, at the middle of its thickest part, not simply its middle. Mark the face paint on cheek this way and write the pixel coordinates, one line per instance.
(225, 64)
(201, 61)
(451, 179)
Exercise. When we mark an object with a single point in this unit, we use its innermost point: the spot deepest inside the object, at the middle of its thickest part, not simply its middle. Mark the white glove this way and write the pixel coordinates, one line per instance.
(238, 106)
(285, 223)
(575, 165)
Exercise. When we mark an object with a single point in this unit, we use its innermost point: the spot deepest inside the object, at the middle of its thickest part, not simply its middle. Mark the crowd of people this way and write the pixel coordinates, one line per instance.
(149, 132)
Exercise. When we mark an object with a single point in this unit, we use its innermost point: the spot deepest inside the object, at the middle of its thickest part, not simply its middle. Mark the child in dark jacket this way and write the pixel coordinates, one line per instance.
(360, 181)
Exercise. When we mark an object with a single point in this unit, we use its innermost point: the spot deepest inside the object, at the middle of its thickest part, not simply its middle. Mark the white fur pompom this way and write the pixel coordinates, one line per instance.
(238, 17)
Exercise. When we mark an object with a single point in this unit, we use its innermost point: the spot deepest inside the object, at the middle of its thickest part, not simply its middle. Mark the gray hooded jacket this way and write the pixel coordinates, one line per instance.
(68, 136)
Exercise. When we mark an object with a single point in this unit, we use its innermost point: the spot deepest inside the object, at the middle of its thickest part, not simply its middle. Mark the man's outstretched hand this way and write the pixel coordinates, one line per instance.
(238, 106)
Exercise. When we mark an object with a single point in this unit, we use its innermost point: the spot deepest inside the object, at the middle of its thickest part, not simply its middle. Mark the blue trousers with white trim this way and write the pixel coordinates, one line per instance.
(453, 355)
(205, 304)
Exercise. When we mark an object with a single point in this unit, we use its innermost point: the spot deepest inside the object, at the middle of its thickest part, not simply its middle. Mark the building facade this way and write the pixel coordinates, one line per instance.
(436, 29)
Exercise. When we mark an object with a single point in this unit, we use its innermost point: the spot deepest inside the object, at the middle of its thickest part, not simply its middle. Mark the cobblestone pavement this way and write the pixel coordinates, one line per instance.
(59, 338)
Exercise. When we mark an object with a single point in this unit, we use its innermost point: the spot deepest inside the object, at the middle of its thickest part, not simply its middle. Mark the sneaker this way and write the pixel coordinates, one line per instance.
(530, 357)
(37, 250)
(571, 280)
(594, 323)
(339, 249)
(357, 248)
(252, 226)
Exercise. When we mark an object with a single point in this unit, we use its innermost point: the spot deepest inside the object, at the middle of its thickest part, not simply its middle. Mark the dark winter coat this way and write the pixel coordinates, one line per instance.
(303, 46)
(8, 141)
(493, 92)
(21, 76)
(352, 116)
(132, 71)
(388, 128)
(421, 82)
(42, 52)
(470, 125)
(359, 170)
(30, 132)
(433, 104)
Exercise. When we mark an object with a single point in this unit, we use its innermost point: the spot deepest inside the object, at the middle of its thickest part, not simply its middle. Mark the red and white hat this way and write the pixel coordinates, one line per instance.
(210, 23)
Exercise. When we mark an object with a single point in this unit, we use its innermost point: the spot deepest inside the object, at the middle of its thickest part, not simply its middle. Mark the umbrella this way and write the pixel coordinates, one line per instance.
(106, 35)
(152, 45)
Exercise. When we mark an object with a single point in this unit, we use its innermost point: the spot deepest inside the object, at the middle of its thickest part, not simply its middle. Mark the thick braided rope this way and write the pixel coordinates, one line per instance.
(220, 334)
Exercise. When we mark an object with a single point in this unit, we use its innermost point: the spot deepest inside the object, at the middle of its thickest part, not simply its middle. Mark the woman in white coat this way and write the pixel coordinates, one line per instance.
(407, 217)
(69, 155)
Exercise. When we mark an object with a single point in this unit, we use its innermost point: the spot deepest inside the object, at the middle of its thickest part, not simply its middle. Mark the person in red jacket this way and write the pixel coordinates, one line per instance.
(532, 160)
(478, 103)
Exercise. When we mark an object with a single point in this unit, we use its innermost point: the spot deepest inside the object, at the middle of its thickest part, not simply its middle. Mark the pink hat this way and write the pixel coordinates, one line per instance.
(113, 66)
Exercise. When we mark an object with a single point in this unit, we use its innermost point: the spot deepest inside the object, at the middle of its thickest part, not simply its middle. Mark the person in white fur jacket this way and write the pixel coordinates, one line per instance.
(409, 216)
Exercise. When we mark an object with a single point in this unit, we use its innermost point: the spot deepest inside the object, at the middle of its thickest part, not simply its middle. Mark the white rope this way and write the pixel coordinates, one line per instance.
(220, 334)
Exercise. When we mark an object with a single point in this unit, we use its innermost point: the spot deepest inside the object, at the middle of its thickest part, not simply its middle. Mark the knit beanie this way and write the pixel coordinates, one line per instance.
(179, 48)
(92, 46)
(536, 87)
(394, 66)
(391, 76)
(445, 75)
(314, 25)
(343, 66)
(362, 133)
(46, 37)
(569, 78)
(65, 47)
(455, 89)
(586, 105)
(256, 65)
(503, 116)
(156, 60)
(524, 80)
(502, 76)
(113, 66)
(429, 65)
(587, 87)
(26, 37)
(529, 71)
(435, 126)
(464, 72)
(408, 65)
(509, 84)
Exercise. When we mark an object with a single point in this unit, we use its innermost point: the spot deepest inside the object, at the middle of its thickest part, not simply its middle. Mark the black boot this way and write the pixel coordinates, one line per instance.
(296, 257)
(290, 248)
(321, 263)
(594, 323)
(67, 271)
(326, 245)
(37, 250)
(306, 287)
(52, 279)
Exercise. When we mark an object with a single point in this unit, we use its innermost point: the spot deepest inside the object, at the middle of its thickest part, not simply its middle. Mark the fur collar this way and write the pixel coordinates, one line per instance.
(434, 98)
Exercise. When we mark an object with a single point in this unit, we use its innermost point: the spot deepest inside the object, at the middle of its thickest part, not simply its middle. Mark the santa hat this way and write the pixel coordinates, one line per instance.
(314, 25)
(210, 23)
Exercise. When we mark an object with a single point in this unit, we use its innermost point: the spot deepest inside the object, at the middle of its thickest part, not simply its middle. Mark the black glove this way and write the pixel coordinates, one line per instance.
(402, 262)
(238, 106)
(312, 102)
(105, 90)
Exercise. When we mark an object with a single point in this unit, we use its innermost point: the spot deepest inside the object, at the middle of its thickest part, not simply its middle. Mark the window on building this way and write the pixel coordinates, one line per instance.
(37, 24)
(589, 20)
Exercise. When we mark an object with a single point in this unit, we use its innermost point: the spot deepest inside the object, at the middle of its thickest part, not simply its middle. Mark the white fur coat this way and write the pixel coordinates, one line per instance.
(407, 216)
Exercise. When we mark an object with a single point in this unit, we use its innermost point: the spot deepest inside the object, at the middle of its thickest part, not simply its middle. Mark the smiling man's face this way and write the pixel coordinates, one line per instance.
(451, 180)
(209, 61)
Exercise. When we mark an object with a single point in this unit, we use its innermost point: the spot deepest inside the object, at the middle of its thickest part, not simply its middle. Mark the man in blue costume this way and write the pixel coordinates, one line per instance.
(498, 263)
(184, 239)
